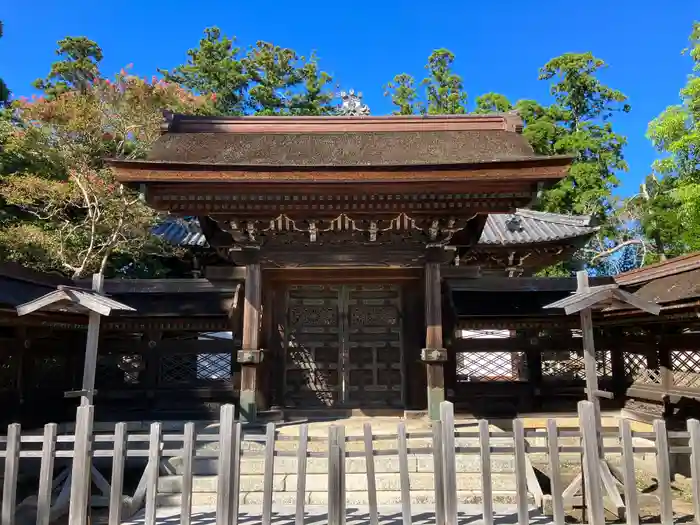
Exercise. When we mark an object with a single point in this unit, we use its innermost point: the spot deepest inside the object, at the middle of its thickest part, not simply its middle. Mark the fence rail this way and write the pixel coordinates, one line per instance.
(442, 447)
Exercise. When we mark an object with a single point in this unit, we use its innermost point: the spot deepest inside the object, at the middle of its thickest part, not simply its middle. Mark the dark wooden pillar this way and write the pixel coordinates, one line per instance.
(533, 360)
(250, 355)
(434, 355)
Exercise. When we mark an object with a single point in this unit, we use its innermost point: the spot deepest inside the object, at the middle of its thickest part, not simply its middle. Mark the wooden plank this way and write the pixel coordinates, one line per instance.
(188, 450)
(333, 477)
(663, 470)
(301, 474)
(237, 441)
(403, 474)
(438, 473)
(153, 466)
(117, 479)
(557, 486)
(341, 479)
(224, 485)
(520, 471)
(9, 485)
(269, 474)
(591, 463)
(629, 478)
(48, 455)
(80, 475)
(449, 462)
(371, 479)
(486, 485)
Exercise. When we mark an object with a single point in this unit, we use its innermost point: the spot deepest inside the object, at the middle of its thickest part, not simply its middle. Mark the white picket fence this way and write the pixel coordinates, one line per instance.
(444, 448)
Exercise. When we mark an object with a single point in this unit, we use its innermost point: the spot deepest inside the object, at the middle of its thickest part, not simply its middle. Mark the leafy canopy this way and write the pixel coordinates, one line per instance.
(265, 80)
(64, 209)
(443, 88)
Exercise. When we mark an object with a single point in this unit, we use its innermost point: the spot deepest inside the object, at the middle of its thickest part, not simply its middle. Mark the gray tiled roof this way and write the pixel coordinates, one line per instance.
(181, 232)
(521, 227)
(528, 226)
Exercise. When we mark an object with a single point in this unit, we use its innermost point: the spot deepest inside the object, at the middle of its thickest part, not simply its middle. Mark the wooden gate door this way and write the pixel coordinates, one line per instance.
(373, 345)
(343, 346)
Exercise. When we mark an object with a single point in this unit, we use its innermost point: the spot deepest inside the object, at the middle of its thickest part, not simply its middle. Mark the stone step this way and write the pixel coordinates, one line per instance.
(464, 463)
(384, 498)
(354, 482)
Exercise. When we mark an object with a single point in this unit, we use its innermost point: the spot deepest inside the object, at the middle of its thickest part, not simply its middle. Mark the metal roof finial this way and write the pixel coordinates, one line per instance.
(351, 104)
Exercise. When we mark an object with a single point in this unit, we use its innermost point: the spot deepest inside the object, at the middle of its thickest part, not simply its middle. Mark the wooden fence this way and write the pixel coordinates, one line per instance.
(84, 446)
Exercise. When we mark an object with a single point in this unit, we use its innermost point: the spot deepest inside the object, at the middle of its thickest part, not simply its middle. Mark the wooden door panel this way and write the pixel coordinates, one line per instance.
(312, 341)
(374, 345)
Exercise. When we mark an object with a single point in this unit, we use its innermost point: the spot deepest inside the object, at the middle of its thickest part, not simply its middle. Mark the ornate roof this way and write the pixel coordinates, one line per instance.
(353, 139)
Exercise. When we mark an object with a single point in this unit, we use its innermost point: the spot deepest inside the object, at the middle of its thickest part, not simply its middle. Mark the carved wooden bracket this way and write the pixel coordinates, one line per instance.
(437, 232)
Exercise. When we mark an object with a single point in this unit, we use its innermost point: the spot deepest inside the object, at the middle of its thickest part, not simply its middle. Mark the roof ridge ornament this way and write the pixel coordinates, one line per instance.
(351, 105)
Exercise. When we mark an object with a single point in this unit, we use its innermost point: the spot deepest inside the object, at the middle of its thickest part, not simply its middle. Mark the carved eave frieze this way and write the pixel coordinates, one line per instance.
(344, 229)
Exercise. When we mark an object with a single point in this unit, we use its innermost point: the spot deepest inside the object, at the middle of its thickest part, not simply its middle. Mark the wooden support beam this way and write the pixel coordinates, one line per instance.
(250, 356)
(93, 337)
(589, 357)
(434, 355)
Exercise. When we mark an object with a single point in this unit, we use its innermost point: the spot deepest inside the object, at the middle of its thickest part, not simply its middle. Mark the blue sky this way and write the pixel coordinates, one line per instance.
(499, 45)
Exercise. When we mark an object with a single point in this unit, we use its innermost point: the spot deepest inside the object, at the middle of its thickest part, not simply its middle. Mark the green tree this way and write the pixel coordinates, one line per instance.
(675, 133)
(76, 71)
(492, 103)
(579, 124)
(444, 89)
(404, 96)
(266, 80)
(68, 213)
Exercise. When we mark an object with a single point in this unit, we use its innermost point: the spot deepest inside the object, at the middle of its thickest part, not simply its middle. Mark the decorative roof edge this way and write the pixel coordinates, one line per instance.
(179, 123)
(681, 264)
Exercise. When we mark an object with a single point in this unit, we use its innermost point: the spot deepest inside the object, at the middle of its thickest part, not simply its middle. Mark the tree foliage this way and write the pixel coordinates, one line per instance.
(67, 212)
(265, 80)
(78, 68)
(671, 218)
(443, 89)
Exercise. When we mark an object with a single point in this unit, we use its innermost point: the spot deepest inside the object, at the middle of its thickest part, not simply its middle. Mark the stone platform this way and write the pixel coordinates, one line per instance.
(284, 515)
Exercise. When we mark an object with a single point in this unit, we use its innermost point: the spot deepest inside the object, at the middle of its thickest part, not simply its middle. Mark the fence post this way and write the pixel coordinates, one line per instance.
(449, 469)
(439, 475)
(334, 474)
(81, 468)
(9, 489)
(663, 471)
(153, 466)
(224, 486)
(591, 462)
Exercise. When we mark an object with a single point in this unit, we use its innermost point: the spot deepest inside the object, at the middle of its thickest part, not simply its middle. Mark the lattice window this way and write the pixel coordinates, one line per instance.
(569, 365)
(195, 368)
(636, 369)
(494, 365)
(686, 368)
(491, 366)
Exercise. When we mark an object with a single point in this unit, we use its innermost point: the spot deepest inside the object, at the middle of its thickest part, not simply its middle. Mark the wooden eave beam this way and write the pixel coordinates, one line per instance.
(521, 171)
(339, 124)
